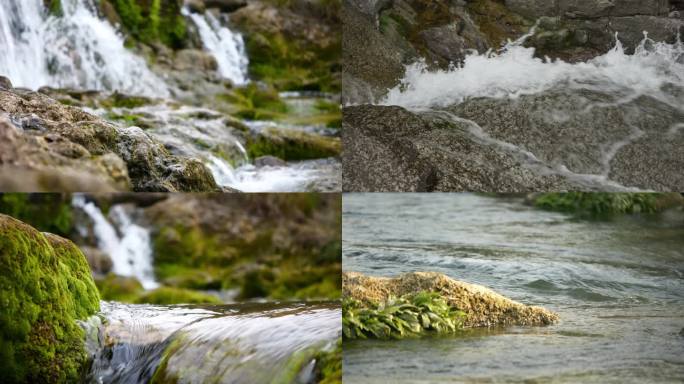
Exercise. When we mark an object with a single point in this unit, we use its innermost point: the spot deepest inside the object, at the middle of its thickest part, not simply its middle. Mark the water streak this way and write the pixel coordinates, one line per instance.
(75, 50)
(128, 244)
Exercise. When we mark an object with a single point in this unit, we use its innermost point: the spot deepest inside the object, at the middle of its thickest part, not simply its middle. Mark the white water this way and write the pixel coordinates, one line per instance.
(77, 50)
(515, 71)
(128, 244)
(227, 47)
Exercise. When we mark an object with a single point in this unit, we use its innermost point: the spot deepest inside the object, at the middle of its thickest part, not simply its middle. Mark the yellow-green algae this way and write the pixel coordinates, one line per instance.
(45, 286)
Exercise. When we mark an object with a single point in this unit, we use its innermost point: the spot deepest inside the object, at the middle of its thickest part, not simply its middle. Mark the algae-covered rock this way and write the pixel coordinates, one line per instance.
(45, 286)
(482, 306)
(292, 144)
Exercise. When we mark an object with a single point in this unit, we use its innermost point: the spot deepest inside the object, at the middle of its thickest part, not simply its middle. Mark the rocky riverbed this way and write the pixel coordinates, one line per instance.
(512, 95)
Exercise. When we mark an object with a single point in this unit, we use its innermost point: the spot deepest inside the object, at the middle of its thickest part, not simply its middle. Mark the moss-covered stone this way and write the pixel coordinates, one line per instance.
(150, 21)
(292, 145)
(45, 286)
(329, 365)
(597, 204)
(119, 288)
(49, 212)
(255, 102)
(170, 295)
(54, 7)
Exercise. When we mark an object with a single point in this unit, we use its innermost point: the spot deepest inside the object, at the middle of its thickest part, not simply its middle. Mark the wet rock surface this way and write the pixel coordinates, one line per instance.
(483, 307)
(49, 134)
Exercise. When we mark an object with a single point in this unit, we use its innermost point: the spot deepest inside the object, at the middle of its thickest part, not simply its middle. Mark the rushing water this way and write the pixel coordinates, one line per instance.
(227, 47)
(246, 343)
(618, 286)
(127, 244)
(76, 50)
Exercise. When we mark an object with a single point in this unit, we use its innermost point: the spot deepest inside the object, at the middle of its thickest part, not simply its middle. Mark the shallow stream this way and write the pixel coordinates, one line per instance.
(618, 286)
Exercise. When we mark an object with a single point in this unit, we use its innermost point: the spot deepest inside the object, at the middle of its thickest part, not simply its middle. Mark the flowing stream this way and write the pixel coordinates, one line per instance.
(550, 114)
(618, 286)
(127, 244)
(246, 343)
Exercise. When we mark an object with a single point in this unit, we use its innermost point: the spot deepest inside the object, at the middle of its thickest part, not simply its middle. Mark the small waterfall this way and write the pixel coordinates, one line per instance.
(76, 50)
(225, 45)
(129, 245)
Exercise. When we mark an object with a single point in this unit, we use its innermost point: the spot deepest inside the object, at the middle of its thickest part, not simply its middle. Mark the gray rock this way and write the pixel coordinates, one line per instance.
(5, 83)
(390, 149)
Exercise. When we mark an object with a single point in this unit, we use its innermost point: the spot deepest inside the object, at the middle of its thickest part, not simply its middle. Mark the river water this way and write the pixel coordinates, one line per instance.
(618, 286)
(242, 343)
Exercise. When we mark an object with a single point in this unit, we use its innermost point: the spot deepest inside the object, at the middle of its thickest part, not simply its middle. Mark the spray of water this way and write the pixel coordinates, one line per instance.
(514, 71)
(129, 247)
(76, 50)
(227, 47)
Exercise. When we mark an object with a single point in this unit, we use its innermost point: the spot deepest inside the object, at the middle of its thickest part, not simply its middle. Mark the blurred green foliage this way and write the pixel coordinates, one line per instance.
(598, 203)
(48, 212)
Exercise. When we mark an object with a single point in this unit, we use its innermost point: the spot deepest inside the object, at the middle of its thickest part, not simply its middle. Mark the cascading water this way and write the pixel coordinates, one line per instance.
(75, 50)
(515, 71)
(128, 244)
(227, 47)
(245, 343)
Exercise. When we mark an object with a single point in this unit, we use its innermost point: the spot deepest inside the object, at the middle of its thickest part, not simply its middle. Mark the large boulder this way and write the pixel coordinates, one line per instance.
(45, 287)
(390, 149)
(43, 134)
(482, 306)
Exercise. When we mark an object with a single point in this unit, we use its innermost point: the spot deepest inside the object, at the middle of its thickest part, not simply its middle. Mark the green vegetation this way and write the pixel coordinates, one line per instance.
(255, 102)
(170, 295)
(54, 7)
(120, 100)
(292, 145)
(396, 318)
(329, 365)
(150, 21)
(47, 212)
(45, 286)
(119, 288)
(599, 204)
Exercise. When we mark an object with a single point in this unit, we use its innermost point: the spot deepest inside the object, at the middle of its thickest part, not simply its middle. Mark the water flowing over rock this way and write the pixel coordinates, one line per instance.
(483, 307)
(246, 343)
(77, 50)
(59, 135)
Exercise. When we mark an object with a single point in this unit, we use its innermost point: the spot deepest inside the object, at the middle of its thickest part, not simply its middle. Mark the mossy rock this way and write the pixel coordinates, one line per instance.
(119, 288)
(45, 286)
(150, 21)
(599, 204)
(292, 145)
(50, 212)
(328, 368)
(170, 295)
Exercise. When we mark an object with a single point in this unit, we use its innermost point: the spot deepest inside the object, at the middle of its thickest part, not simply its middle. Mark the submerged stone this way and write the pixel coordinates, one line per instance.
(45, 286)
(482, 306)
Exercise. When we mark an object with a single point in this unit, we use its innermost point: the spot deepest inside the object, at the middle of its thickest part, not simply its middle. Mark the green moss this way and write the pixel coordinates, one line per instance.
(152, 21)
(128, 119)
(119, 100)
(54, 7)
(291, 145)
(599, 204)
(329, 365)
(119, 288)
(49, 212)
(45, 286)
(254, 102)
(170, 295)
(495, 21)
(406, 316)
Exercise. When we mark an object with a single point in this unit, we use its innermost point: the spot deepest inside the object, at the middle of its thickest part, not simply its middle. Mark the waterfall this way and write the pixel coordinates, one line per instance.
(129, 245)
(76, 50)
(227, 47)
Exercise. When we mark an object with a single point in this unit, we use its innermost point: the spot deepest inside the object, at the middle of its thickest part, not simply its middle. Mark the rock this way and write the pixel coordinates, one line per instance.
(291, 144)
(226, 5)
(391, 149)
(589, 9)
(269, 161)
(195, 6)
(56, 136)
(45, 287)
(483, 307)
(194, 59)
(5, 83)
(100, 262)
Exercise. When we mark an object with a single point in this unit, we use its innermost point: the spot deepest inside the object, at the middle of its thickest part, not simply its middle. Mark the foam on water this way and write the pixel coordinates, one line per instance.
(227, 47)
(76, 50)
(129, 245)
(514, 71)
